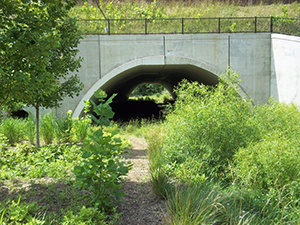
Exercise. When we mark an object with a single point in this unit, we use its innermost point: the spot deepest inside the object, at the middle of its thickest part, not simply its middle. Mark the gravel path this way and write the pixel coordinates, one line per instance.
(141, 206)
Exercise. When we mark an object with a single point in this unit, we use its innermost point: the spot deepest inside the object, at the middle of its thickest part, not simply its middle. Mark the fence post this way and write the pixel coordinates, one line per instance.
(219, 25)
(255, 29)
(271, 24)
(108, 25)
(145, 25)
(182, 26)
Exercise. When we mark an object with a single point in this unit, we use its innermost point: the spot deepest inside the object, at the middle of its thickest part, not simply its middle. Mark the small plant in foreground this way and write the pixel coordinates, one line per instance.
(101, 170)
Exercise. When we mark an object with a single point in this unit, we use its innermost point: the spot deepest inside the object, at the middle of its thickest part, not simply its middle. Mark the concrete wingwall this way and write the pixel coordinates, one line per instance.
(285, 76)
(258, 58)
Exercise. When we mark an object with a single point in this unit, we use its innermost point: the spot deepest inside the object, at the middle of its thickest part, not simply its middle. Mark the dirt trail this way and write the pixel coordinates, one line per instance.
(141, 206)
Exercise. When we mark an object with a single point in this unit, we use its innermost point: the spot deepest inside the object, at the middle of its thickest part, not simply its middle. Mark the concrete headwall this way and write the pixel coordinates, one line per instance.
(267, 64)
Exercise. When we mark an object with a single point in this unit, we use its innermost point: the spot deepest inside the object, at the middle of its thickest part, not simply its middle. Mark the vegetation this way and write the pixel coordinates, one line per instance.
(232, 156)
(38, 183)
(217, 159)
(166, 17)
(101, 170)
(38, 51)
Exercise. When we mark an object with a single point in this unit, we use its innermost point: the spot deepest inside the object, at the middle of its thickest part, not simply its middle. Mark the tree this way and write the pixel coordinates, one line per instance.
(38, 43)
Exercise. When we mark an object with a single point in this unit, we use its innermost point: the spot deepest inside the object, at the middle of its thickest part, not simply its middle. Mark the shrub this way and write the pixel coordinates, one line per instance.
(273, 162)
(209, 125)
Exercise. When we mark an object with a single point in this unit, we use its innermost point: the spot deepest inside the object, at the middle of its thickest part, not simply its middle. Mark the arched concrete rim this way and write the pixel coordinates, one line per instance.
(158, 60)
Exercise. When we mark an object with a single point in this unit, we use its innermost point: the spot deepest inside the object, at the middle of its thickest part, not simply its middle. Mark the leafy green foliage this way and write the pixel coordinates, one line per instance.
(101, 169)
(27, 161)
(88, 216)
(147, 89)
(38, 52)
(272, 163)
(16, 213)
(207, 127)
(214, 134)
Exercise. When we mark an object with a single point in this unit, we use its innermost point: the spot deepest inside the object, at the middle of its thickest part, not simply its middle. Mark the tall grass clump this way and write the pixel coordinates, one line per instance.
(159, 179)
(195, 204)
(81, 127)
(13, 129)
(30, 128)
(63, 128)
(47, 129)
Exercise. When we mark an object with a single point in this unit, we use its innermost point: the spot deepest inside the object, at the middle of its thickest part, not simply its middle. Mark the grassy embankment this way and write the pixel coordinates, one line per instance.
(161, 17)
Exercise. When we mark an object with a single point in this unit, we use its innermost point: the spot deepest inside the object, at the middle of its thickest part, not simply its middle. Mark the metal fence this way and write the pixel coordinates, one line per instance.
(191, 25)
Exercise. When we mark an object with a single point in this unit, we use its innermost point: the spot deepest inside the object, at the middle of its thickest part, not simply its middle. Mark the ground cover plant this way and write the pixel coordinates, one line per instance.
(245, 155)
(37, 185)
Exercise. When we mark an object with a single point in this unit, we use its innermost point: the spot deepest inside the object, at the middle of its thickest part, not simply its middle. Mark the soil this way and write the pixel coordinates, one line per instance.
(140, 206)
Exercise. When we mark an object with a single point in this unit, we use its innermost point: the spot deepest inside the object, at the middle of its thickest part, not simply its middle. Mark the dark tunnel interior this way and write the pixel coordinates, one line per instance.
(166, 75)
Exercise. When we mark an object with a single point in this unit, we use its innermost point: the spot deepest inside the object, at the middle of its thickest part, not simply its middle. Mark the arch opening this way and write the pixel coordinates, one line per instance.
(168, 77)
(124, 82)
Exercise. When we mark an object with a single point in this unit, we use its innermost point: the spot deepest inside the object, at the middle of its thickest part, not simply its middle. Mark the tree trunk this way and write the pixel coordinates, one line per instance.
(37, 116)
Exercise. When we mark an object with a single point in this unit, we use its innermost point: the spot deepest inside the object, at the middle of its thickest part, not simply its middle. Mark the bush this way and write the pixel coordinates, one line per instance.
(253, 150)
(273, 162)
(209, 125)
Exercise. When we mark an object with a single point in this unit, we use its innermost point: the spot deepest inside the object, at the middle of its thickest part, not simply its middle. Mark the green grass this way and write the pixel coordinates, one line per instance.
(165, 17)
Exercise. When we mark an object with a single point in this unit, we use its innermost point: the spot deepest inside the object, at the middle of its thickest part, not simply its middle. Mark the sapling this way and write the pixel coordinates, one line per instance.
(101, 169)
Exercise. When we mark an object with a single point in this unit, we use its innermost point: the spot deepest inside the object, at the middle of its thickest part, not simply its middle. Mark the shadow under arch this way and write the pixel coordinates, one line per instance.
(167, 71)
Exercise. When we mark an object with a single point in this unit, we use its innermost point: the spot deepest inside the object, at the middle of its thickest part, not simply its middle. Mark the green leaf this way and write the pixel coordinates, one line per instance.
(100, 94)
(86, 154)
